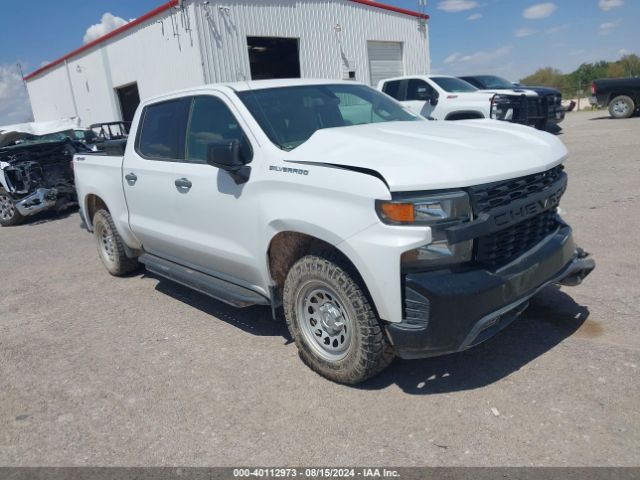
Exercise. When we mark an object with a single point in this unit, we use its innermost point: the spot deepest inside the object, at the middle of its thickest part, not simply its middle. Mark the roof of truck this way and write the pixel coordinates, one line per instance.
(250, 85)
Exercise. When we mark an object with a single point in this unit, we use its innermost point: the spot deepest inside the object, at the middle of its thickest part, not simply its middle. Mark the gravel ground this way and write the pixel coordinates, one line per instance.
(96, 370)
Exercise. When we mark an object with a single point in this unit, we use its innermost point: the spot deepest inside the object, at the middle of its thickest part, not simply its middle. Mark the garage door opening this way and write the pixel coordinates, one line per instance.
(272, 57)
(129, 99)
(385, 60)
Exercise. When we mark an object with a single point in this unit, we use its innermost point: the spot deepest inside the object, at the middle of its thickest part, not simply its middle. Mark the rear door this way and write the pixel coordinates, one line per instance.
(148, 174)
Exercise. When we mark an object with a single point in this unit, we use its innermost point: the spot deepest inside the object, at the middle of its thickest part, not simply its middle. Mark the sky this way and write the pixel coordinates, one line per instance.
(511, 38)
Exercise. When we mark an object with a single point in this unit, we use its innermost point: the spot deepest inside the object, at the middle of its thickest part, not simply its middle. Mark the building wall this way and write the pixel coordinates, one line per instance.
(325, 52)
(50, 95)
(208, 44)
(160, 55)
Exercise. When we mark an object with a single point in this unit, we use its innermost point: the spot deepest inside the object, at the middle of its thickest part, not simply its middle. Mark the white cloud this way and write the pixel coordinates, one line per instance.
(108, 23)
(607, 5)
(14, 101)
(556, 29)
(623, 51)
(454, 6)
(607, 27)
(525, 32)
(539, 10)
(478, 58)
(475, 16)
(452, 58)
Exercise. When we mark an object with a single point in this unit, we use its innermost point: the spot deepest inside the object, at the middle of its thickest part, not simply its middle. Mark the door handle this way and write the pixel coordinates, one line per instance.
(183, 183)
(131, 178)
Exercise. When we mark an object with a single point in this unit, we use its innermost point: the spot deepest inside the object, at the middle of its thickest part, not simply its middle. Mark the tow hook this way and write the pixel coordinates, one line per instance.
(581, 266)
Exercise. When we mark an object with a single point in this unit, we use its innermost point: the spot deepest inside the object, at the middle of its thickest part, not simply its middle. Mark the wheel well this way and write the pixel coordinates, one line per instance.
(286, 248)
(464, 115)
(631, 95)
(94, 203)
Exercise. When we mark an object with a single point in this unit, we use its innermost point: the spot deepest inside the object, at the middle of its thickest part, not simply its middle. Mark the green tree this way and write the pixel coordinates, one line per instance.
(631, 65)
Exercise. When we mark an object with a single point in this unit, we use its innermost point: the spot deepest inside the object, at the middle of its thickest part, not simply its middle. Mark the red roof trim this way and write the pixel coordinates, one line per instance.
(391, 8)
(172, 3)
(104, 38)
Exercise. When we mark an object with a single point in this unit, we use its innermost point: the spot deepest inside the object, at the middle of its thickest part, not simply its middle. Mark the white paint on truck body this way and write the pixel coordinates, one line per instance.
(220, 226)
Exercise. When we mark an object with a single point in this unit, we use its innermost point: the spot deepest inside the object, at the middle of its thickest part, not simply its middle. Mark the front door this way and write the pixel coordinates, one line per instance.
(417, 97)
(216, 219)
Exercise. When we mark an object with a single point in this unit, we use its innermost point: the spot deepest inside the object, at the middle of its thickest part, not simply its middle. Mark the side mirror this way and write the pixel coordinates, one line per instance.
(426, 96)
(225, 155)
(423, 94)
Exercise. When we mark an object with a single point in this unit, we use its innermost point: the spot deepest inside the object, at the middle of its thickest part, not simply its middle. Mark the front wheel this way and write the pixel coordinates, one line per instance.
(333, 322)
(9, 214)
(622, 107)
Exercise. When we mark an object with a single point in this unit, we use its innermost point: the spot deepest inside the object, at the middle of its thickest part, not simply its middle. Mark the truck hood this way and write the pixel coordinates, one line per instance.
(430, 155)
(515, 91)
(544, 90)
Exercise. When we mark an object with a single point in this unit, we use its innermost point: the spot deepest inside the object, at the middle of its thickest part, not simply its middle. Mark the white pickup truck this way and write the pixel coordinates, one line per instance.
(439, 97)
(379, 232)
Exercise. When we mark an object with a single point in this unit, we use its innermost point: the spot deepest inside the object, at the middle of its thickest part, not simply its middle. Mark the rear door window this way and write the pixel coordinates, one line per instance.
(162, 132)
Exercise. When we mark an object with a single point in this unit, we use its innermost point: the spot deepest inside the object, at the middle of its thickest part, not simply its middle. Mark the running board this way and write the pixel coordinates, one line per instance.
(226, 292)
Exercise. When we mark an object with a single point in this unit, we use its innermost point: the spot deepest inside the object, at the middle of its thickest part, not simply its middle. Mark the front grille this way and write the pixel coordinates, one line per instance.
(491, 195)
(534, 108)
(504, 245)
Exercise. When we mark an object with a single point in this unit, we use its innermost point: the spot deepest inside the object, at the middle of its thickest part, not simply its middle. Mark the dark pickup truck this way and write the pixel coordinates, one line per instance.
(536, 106)
(620, 95)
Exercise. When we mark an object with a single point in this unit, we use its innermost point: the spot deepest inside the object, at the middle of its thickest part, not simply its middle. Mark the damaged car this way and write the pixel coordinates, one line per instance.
(36, 176)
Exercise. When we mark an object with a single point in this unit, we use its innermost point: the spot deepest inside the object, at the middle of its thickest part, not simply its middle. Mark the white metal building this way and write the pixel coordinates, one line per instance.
(186, 43)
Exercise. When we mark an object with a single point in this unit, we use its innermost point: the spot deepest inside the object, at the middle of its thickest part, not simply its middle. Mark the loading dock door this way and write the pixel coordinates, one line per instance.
(129, 99)
(272, 57)
(385, 60)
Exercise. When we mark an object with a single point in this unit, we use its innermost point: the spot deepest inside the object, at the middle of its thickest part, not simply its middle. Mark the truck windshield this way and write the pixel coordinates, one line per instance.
(491, 81)
(454, 85)
(290, 115)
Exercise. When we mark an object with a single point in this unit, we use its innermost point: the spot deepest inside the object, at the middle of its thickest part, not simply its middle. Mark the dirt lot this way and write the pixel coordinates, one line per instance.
(96, 370)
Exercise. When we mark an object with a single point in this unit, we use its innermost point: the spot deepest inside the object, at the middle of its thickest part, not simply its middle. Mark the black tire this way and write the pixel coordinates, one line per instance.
(368, 351)
(622, 106)
(111, 247)
(9, 215)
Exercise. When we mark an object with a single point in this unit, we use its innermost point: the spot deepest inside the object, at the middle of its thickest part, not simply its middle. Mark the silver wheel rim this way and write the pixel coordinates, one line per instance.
(107, 244)
(620, 107)
(323, 320)
(7, 208)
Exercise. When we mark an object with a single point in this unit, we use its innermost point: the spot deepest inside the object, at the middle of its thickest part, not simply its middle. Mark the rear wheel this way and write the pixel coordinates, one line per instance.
(9, 214)
(111, 246)
(622, 107)
(333, 322)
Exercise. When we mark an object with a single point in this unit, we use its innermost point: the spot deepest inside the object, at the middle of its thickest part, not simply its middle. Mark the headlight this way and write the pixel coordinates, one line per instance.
(438, 212)
(502, 107)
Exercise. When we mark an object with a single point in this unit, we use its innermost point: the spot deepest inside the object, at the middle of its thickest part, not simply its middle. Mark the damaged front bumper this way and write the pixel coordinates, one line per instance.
(40, 200)
(448, 312)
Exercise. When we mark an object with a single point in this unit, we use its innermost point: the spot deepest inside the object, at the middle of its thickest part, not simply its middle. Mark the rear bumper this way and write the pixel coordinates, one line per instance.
(451, 312)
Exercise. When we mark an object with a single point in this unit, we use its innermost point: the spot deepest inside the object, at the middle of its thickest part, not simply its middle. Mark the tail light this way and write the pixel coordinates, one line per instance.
(593, 88)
